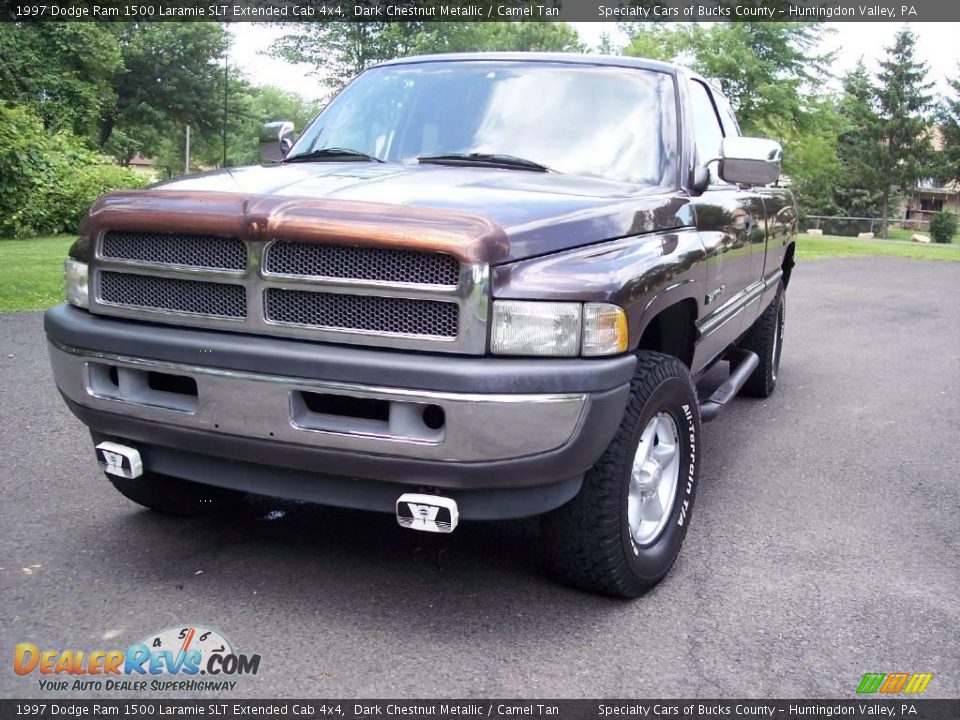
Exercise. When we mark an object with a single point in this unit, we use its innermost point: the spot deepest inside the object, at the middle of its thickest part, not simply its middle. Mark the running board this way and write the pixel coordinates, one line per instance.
(742, 365)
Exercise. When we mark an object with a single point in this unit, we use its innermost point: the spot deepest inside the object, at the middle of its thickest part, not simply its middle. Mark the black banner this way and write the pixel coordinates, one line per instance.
(861, 709)
(478, 10)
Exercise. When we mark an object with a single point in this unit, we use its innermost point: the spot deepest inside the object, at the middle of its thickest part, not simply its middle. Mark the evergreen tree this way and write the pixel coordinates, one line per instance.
(903, 104)
(949, 117)
(859, 187)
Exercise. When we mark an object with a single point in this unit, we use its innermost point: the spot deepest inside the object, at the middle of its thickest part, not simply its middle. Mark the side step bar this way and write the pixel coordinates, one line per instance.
(742, 365)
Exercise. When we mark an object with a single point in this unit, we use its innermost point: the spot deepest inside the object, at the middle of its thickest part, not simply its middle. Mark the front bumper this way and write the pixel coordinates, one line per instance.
(523, 428)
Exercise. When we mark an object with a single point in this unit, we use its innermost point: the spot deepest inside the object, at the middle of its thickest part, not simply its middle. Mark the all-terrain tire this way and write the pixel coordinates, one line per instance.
(174, 496)
(588, 542)
(765, 338)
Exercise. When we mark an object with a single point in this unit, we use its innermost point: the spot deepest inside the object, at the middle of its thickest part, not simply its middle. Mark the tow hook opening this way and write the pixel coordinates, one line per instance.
(345, 406)
(354, 415)
(143, 387)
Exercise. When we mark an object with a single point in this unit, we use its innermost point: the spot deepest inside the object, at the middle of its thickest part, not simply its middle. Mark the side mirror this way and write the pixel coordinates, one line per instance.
(750, 161)
(276, 139)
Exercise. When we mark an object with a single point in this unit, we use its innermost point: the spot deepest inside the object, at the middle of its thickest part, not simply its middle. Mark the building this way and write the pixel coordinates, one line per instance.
(930, 196)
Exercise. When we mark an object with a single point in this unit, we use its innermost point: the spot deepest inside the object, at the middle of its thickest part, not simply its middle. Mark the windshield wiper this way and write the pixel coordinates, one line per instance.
(495, 160)
(332, 153)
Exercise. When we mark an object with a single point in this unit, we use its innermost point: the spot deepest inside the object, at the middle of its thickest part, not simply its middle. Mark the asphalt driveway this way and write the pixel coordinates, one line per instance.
(825, 542)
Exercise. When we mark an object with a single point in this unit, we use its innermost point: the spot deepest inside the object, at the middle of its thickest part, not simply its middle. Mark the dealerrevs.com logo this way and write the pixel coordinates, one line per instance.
(190, 658)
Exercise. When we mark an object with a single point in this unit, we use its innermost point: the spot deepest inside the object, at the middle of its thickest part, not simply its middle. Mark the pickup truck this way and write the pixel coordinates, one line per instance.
(475, 287)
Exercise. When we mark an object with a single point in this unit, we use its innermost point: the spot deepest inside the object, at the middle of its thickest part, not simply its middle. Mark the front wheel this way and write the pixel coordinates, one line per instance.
(621, 534)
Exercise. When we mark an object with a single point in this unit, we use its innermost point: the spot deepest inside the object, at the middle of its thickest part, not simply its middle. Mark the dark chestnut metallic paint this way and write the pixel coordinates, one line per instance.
(476, 214)
(782, 222)
(642, 274)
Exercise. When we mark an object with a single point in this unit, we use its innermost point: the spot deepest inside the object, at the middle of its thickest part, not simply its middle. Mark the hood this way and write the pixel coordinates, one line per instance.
(534, 213)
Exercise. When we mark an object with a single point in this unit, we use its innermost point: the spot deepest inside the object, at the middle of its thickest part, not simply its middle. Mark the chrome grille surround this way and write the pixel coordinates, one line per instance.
(462, 331)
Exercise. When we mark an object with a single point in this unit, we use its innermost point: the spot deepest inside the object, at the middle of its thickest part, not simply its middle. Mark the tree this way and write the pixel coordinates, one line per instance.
(170, 77)
(501, 36)
(250, 106)
(48, 179)
(810, 157)
(859, 186)
(903, 103)
(63, 71)
(657, 41)
(339, 51)
(606, 45)
(774, 83)
(145, 79)
(949, 117)
(765, 69)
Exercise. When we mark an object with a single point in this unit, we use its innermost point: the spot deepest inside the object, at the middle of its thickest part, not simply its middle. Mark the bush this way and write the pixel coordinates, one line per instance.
(85, 185)
(47, 181)
(943, 226)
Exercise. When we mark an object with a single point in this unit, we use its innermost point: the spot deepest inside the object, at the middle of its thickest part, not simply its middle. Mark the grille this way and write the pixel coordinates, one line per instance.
(186, 296)
(341, 261)
(231, 284)
(205, 251)
(359, 312)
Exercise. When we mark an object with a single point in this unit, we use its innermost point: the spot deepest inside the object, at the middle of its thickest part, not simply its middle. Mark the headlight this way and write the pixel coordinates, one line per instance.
(557, 329)
(522, 327)
(604, 329)
(75, 275)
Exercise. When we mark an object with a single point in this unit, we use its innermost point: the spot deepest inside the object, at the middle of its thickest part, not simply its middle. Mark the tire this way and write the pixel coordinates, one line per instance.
(589, 542)
(765, 338)
(174, 496)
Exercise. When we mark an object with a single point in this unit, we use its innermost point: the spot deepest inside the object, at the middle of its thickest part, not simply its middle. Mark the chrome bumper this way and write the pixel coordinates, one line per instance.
(474, 428)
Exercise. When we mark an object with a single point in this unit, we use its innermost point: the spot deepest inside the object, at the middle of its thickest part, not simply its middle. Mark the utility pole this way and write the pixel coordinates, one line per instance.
(186, 153)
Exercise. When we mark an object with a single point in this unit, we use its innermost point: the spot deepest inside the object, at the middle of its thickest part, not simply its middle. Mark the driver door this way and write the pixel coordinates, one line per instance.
(731, 224)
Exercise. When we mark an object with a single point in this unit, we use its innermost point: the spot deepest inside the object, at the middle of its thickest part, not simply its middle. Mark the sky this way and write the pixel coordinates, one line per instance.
(938, 46)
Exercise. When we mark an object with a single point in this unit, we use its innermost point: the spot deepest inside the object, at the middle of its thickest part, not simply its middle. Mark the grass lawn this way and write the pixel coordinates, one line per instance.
(901, 234)
(809, 247)
(31, 272)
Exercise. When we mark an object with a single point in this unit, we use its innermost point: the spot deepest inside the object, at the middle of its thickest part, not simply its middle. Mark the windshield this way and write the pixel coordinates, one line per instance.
(607, 122)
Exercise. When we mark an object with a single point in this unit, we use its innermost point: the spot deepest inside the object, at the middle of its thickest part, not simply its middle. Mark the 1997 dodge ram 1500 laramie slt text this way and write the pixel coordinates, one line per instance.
(475, 287)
